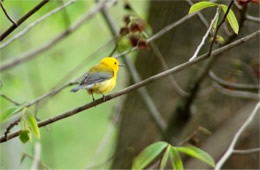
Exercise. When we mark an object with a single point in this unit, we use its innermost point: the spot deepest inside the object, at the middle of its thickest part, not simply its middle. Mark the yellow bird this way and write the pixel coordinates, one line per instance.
(101, 78)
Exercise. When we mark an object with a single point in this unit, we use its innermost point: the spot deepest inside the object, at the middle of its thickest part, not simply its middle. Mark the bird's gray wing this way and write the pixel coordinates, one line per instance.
(98, 77)
(92, 78)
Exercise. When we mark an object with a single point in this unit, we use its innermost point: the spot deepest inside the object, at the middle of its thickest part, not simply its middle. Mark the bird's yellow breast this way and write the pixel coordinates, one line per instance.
(103, 87)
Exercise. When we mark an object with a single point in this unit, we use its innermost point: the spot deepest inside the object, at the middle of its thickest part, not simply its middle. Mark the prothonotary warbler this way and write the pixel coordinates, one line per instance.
(101, 78)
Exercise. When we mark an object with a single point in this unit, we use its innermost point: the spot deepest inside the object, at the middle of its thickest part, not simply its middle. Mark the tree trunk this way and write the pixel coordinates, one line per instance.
(137, 130)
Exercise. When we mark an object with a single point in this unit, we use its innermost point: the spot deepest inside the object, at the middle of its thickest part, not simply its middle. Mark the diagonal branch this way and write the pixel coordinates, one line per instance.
(230, 149)
(33, 24)
(135, 86)
(62, 36)
(205, 36)
(237, 93)
(236, 86)
(24, 18)
(10, 100)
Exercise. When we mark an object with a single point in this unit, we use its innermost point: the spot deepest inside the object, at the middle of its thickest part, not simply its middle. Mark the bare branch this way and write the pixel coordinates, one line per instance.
(33, 24)
(253, 19)
(41, 165)
(236, 93)
(6, 14)
(138, 85)
(24, 18)
(65, 15)
(7, 131)
(235, 86)
(10, 100)
(72, 28)
(205, 36)
(246, 151)
(230, 149)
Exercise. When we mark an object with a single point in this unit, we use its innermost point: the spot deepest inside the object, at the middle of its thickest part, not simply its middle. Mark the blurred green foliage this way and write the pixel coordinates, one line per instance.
(72, 142)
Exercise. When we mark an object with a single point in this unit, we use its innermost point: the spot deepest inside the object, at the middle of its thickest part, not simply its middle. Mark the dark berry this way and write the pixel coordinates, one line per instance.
(124, 31)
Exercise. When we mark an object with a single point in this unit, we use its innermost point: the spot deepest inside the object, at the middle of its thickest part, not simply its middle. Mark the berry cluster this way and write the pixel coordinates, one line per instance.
(133, 30)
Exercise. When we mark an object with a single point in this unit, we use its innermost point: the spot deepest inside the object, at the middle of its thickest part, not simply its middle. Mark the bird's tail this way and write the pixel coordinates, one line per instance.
(75, 89)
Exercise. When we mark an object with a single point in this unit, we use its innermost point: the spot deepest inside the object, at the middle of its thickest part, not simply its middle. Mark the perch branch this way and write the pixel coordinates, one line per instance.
(137, 85)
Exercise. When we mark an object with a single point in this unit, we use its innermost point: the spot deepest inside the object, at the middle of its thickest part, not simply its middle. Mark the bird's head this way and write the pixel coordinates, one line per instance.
(111, 62)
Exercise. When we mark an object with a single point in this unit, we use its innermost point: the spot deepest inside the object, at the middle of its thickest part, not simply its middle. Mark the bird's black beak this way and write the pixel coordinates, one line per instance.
(121, 65)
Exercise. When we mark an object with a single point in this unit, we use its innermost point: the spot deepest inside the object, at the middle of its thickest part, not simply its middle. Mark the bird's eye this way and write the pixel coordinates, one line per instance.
(115, 63)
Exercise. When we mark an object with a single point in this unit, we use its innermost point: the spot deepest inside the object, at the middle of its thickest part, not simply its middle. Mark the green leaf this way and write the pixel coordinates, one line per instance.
(175, 159)
(232, 20)
(148, 155)
(197, 153)
(165, 157)
(201, 5)
(32, 124)
(25, 136)
(8, 113)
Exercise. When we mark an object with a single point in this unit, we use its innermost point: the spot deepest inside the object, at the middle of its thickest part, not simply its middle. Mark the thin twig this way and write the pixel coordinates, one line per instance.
(41, 165)
(230, 149)
(6, 14)
(10, 100)
(31, 54)
(33, 24)
(237, 93)
(205, 36)
(65, 15)
(7, 131)
(139, 84)
(24, 18)
(236, 86)
(246, 151)
(253, 19)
